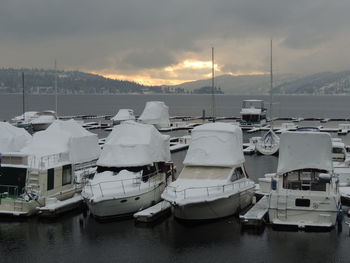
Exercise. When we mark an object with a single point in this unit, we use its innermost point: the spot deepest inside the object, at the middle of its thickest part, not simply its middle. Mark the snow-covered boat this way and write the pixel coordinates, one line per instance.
(213, 183)
(253, 113)
(123, 115)
(132, 172)
(45, 168)
(43, 120)
(268, 144)
(304, 191)
(155, 113)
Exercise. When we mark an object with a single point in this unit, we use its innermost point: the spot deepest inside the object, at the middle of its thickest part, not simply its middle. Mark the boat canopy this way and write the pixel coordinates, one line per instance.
(65, 137)
(13, 139)
(304, 150)
(124, 115)
(215, 144)
(155, 113)
(133, 144)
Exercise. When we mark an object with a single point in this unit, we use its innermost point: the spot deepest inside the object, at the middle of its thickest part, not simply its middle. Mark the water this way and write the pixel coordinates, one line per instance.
(73, 238)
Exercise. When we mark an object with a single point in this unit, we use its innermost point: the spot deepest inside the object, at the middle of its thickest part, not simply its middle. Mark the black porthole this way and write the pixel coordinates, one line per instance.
(123, 201)
(137, 198)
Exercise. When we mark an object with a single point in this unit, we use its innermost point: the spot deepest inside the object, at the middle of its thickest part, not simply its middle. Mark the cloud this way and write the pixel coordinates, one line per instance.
(143, 38)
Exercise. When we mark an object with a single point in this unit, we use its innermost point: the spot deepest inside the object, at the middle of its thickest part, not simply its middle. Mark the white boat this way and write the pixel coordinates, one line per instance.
(133, 170)
(253, 113)
(123, 115)
(213, 183)
(304, 191)
(155, 113)
(43, 120)
(45, 168)
(268, 144)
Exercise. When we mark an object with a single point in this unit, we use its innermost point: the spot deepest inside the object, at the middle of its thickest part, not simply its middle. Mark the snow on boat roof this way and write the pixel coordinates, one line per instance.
(133, 144)
(337, 144)
(250, 111)
(155, 113)
(124, 114)
(13, 139)
(62, 137)
(215, 144)
(304, 150)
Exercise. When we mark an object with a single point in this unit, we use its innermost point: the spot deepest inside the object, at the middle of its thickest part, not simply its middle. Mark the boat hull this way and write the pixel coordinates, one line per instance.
(220, 208)
(124, 206)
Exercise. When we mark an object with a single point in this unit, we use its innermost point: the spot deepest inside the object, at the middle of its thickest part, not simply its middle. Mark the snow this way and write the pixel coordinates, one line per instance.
(302, 150)
(253, 111)
(156, 113)
(133, 144)
(65, 137)
(13, 139)
(215, 144)
(108, 184)
(124, 115)
(27, 116)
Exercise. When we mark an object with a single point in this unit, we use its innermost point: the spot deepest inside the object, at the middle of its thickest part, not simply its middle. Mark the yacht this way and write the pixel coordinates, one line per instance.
(304, 190)
(133, 170)
(43, 172)
(123, 115)
(43, 120)
(213, 183)
(155, 113)
(253, 113)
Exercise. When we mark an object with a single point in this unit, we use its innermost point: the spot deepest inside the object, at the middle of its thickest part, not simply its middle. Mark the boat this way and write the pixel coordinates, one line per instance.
(123, 115)
(155, 113)
(132, 171)
(43, 120)
(304, 191)
(213, 183)
(268, 144)
(12, 139)
(253, 113)
(43, 171)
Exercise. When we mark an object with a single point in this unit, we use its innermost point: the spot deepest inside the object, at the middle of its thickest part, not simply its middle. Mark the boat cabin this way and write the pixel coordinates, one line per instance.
(253, 113)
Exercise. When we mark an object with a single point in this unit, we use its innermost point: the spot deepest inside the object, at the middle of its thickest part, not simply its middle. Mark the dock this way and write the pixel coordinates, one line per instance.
(257, 214)
(153, 213)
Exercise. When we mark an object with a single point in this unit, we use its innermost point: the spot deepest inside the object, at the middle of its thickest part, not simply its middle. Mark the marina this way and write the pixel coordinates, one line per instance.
(168, 227)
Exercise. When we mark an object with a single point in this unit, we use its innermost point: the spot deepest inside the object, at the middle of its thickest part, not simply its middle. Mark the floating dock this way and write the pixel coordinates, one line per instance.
(257, 214)
(153, 213)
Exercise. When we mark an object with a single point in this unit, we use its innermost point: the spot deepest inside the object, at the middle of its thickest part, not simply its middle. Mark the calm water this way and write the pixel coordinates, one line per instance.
(73, 238)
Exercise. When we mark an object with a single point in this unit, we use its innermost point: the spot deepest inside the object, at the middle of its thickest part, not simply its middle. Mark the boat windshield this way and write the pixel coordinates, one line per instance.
(251, 118)
(307, 179)
(12, 180)
(201, 172)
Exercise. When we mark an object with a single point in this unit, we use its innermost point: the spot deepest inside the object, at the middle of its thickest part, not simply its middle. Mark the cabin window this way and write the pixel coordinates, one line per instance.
(304, 180)
(12, 180)
(251, 118)
(67, 174)
(338, 150)
(237, 174)
(50, 179)
(302, 202)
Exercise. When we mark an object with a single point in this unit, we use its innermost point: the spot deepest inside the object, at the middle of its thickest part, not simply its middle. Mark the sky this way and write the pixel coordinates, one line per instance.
(168, 42)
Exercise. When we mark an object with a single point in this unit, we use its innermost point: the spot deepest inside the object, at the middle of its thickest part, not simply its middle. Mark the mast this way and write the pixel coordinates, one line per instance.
(212, 85)
(23, 105)
(56, 87)
(271, 84)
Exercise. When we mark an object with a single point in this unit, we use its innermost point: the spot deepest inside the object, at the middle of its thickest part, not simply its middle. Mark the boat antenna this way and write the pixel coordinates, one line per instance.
(212, 85)
(271, 84)
(23, 102)
(56, 87)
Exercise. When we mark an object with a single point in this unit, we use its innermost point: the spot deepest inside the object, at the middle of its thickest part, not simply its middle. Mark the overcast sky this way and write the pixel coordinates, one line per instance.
(169, 41)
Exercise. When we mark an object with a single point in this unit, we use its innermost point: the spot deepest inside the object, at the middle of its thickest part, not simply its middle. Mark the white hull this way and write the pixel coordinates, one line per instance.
(125, 205)
(322, 211)
(215, 209)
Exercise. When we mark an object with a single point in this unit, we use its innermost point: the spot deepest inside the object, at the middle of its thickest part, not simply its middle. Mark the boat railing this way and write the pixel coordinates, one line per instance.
(136, 182)
(8, 190)
(207, 190)
(44, 162)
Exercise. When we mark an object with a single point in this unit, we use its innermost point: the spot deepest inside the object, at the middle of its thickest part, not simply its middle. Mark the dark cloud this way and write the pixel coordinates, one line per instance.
(134, 35)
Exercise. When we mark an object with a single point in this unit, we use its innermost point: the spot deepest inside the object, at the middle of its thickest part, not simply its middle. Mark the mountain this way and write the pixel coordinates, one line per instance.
(239, 85)
(39, 81)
